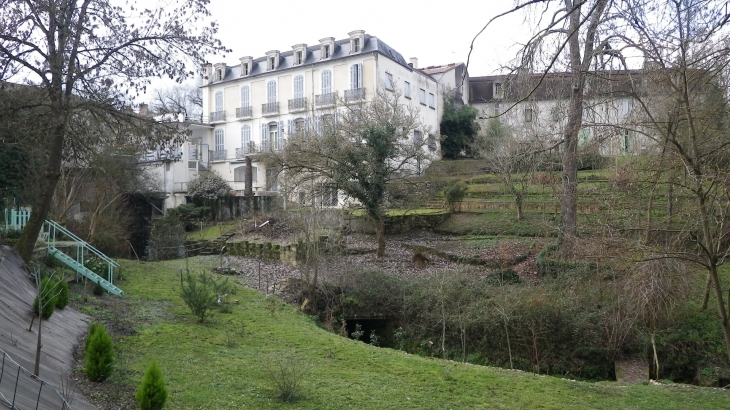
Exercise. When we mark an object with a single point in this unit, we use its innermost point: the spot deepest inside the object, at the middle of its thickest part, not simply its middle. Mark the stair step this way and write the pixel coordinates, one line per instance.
(84, 271)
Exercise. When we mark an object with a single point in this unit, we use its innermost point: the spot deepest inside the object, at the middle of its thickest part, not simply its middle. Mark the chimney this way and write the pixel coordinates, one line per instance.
(413, 63)
(144, 110)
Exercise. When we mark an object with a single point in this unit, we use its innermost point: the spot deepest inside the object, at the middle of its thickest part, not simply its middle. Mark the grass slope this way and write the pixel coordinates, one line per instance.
(202, 370)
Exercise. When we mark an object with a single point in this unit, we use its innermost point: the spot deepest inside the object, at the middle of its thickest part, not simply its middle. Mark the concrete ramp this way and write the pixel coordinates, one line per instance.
(61, 334)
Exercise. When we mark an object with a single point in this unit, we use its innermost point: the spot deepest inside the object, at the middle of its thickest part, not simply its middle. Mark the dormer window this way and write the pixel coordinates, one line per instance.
(300, 54)
(498, 91)
(357, 40)
(219, 72)
(327, 48)
(246, 65)
(272, 60)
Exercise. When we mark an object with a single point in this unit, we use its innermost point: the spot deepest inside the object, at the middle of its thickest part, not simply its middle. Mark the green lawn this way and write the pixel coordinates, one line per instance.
(222, 364)
(210, 232)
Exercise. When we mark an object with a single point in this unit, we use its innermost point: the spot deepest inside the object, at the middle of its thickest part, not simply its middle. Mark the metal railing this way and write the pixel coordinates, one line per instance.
(270, 108)
(325, 99)
(250, 148)
(220, 155)
(298, 104)
(20, 389)
(354, 94)
(244, 112)
(82, 248)
(217, 116)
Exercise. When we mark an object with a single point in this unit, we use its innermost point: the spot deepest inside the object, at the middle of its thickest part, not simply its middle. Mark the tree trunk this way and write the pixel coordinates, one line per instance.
(42, 203)
(380, 237)
(518, 203)
(721, 308)
(37, 368)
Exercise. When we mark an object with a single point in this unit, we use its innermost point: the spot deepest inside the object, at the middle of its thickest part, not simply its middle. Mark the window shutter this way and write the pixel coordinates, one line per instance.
(219, 101)
(317, 124)
(359, 75)
(353, 76)
(280, 136)
(299, 86)
(254, 171)
(271, 92)
(264, 131)
(290, 127)
(306, 125)
(337, 117)
(326, 82)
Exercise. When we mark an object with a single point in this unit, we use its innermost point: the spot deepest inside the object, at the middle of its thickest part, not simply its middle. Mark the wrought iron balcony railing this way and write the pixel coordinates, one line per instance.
(245, 150)
(244, 112)
(217, 116)
(220, 155)
(355, 94)
(298, 104)
(325, 99)
(270, 108)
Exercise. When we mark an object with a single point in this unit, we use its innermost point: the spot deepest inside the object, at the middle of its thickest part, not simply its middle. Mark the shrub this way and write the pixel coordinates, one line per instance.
(99, 354)
(208, 185)
(98, 289)
(200, 293)
(49, 289)
(454, 193)
(92, 328)
(287, 373)
(63, 295)
(152, 393)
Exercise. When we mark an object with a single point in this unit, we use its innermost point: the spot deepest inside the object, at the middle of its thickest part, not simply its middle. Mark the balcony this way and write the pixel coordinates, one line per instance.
(244, 112)
(220, 155)
(245, 150)
(217, 116)
(298, 104)
(355, 94)
(269, 109)
(325, 99)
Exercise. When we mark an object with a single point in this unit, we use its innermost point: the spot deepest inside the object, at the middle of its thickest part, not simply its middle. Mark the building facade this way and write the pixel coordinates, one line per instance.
(254, 105)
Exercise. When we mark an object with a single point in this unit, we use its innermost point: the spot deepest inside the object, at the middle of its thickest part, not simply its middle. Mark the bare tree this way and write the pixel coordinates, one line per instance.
(359, 151)
(88, 58)
(566, 38)
(185, 99)
(682, 106)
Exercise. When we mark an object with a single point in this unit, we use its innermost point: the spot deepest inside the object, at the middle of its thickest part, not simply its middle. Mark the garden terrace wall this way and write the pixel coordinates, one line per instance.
(258, 250)
(397, 224)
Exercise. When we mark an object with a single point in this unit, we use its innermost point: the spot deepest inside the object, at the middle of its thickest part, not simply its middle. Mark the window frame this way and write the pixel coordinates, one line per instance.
(245, 96)
(407, 89)
(219, 142)
(529, 114)
(301, 87)
(422, 96)
(271, 91)
(328, 82)
(389, 81)
(432, 100)
(326, 53)
(218, 96)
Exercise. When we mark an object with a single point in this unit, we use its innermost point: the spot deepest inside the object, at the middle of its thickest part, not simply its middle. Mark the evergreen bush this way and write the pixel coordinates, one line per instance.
(152, 393)
(63, 295)
(99, 355)
(48, 291)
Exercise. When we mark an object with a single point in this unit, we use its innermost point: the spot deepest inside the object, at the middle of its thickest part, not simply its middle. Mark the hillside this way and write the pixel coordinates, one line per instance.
(223, 364)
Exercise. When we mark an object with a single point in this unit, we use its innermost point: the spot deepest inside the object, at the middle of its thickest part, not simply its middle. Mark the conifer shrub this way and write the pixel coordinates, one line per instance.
(152, 393)
(99, 355)
(47, 298)
(63, 295)
(92, 328)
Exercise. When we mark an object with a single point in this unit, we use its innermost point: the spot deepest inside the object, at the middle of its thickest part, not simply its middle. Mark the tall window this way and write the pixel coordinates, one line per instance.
(239, 174)
(325, 51)
(356, 45)
(245, 137)
(273, 134)
(219, 75)
(271, 92)
(219, 140)
(431, 100)
(528, 114)
(219, 101)
(389, 81)
(245, 97)
(272, 62)
(422, 96)
(407, 89)
(417, 138)
(244, 69)
(326, 82)
(498, 92)
(299, 86)
(298, 60)
(356, 76)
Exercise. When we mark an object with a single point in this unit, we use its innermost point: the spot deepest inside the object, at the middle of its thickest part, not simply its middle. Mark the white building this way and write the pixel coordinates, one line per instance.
(535, 108)
(254, 104)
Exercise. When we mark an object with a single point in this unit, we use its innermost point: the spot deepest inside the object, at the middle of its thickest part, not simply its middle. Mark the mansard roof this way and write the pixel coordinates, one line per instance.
(555, 86)
(341, 51)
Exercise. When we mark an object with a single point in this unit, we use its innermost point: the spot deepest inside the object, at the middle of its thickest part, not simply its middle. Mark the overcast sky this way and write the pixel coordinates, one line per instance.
(436, 32)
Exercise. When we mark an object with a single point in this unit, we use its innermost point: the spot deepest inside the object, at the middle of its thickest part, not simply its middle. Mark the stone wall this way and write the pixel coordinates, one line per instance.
(397, 224)
(261, 250)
